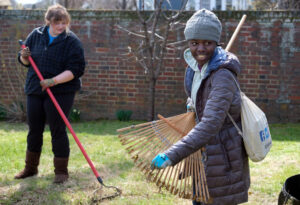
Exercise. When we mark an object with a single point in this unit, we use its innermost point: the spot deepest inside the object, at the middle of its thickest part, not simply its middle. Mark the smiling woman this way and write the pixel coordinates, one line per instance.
(210, 84)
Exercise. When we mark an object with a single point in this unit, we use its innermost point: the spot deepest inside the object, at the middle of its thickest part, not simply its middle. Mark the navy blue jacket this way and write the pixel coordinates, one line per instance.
(64, 53)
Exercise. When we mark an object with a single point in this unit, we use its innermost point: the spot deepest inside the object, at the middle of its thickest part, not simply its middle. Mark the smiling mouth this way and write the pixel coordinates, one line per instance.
(201, 57)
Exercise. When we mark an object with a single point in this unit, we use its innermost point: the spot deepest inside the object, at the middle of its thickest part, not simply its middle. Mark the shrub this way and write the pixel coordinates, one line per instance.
(15, 112)
(124, 115)
(74, 115)
(2, 113)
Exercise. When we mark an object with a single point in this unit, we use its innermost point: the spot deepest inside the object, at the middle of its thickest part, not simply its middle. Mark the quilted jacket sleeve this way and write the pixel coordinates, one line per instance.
(218, 103)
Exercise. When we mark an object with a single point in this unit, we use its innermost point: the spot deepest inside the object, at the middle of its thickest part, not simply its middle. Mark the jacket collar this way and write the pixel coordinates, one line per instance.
(219, 58)
(190, 60)
(43, 31)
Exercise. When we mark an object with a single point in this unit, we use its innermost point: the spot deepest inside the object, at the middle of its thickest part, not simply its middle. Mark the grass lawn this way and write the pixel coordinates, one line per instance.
(116, 168)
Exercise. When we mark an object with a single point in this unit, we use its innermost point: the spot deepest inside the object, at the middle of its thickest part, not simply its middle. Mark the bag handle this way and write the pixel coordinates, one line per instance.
(230, 117)
(234, 123)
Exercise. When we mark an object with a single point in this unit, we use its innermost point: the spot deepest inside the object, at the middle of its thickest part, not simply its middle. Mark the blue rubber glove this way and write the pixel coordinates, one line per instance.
(160, 161)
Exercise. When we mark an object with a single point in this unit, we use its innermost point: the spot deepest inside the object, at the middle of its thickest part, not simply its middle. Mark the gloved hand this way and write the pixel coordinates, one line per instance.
(25, 53)
(47, 83)
(190, 105)
(160, 161)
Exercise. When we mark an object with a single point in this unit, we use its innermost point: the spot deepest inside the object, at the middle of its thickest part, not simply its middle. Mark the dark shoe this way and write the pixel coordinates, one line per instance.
(31, 163)
(61, 170)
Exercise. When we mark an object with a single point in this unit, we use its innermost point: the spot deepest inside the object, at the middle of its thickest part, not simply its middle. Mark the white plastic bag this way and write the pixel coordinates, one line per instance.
(256, 132)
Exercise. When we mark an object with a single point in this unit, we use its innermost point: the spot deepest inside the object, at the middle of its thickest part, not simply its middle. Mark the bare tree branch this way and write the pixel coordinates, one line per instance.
(130, 32)
(152, 50)
(176, 43)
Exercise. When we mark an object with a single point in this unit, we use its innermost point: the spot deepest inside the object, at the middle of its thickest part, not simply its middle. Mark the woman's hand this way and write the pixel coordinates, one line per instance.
(25, 53)
(64, 77)
(47, 83)
(160, 161)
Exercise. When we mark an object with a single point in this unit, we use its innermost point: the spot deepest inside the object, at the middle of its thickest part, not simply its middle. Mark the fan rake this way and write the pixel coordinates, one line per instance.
(144, 141)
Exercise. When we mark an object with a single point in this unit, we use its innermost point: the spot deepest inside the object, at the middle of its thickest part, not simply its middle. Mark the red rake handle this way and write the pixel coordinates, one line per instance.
(63, 116)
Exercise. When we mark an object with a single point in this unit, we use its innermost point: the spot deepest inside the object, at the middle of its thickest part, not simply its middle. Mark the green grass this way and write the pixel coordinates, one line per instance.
(116, 168)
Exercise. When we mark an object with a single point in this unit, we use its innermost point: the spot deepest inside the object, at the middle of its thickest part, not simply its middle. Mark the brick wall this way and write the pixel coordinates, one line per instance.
(268, 48)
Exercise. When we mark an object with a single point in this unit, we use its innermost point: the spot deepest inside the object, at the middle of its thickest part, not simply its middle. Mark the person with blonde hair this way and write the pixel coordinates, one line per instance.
(59, 55)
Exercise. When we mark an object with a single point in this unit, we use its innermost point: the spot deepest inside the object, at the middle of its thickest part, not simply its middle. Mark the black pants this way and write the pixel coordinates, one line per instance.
(40, 109)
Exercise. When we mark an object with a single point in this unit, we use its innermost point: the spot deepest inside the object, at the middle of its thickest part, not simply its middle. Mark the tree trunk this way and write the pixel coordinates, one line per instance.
(66, 4)
(124, 4)
(151, 113)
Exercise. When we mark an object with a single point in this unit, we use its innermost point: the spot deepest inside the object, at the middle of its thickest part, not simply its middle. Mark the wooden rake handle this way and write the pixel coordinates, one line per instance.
(235, 33)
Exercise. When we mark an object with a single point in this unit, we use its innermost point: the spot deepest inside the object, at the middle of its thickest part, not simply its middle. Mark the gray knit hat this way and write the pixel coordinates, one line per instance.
(203, 25)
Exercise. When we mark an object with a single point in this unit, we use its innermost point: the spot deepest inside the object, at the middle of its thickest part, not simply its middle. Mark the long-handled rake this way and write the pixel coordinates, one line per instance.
(63, 116)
